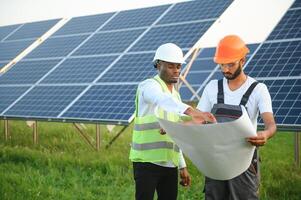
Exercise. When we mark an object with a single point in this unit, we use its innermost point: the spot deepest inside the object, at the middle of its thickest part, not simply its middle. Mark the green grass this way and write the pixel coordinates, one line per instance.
(63, 166)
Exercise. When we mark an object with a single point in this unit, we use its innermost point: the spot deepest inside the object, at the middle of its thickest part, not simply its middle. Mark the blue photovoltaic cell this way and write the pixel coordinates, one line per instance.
(108, 42)
(9, 50)
(131, 68)
(6, 30)
(276, 60)
(286, 95)
(85, 24)
(27, 72)
(56, 47)
(45, 101)
(33, 30)
(185, 93)
(185, 35)
(79, 70)
(203, 65)
(296, 4)
(288, 27)
(9, 94)
(105, 103)
(197, 78)
(195, 10)
(135, 18)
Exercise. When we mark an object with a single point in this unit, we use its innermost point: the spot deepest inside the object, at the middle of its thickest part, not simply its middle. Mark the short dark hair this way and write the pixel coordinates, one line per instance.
(156, 62)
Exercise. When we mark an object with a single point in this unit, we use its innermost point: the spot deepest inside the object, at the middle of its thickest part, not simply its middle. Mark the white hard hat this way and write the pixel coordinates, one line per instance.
(169, 52)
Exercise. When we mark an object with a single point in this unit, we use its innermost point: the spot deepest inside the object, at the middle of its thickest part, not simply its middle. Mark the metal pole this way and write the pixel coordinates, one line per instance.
(35, 132)
(97, 137)
(297, 149)
(6, 130)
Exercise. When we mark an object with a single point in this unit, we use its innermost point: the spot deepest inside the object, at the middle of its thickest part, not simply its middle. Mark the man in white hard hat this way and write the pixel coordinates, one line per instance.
(156, 158)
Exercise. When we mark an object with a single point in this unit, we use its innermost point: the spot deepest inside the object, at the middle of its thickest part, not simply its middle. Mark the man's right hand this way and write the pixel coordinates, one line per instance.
(200, 117)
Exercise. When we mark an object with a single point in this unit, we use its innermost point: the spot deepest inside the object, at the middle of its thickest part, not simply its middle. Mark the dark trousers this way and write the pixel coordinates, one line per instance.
(150, 178)
(242, 187)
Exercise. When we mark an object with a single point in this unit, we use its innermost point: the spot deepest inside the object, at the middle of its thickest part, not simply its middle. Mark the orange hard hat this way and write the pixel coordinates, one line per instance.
(230, 49)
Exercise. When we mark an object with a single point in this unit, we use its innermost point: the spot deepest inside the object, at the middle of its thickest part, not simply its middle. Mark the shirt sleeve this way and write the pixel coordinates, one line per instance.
(182, 163)
(152, 93)
(264, 101)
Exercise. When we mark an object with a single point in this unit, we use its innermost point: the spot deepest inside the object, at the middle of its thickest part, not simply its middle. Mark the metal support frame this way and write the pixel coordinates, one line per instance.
(6, 130)
(297, 148)
(35, 132)
(115, 137)
(187, 69)
(88, 138)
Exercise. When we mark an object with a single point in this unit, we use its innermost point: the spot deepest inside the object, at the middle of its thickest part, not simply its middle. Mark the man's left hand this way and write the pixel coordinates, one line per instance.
(185, 177)
(259, 140)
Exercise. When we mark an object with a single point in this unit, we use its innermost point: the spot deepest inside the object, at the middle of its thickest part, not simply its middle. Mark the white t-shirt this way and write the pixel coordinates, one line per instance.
(259, 100)
(150, 96)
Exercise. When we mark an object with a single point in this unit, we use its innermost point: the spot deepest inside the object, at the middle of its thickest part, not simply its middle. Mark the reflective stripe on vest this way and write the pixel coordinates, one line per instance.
(148, 145)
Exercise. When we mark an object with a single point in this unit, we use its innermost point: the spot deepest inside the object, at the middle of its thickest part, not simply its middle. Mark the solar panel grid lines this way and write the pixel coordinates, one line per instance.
(285, 96)
(44, 101)
(10, 49)
(130, 68)
(8, 94)
(84, 24)
(288, 27)
(27, 72)
(56, 47)
(32, 30)
(105, 102)
(6, 31)
(78, 70)
(194, 10)
(114, 42)
(136, 18)
(184, 35)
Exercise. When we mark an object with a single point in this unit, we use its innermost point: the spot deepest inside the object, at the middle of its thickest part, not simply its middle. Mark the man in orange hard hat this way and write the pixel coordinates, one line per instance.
(156, 158)
(225, 99)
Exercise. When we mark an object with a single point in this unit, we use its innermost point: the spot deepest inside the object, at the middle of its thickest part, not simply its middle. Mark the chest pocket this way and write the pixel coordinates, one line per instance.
(225, 112)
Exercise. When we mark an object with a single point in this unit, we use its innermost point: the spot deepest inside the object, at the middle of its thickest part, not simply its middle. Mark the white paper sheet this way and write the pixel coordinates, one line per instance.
(220, 151)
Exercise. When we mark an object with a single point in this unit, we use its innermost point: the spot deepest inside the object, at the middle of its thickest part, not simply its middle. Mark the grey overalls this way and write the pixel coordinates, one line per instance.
(246, 185)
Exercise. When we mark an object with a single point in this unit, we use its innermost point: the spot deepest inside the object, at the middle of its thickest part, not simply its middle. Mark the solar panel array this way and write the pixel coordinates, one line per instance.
(277, 63)
(89, 69)
(16, 38)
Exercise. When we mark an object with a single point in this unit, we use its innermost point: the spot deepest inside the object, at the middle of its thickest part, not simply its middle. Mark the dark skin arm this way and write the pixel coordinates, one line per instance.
(263, 136)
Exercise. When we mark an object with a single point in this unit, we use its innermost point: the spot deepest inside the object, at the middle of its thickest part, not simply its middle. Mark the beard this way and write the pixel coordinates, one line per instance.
(234, 75)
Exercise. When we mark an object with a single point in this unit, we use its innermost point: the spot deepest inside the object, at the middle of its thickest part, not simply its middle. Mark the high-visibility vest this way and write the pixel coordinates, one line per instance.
(148, 145)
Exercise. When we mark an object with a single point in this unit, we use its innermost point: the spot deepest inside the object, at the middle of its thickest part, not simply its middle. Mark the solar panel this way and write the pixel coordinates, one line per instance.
(44, 101)
(135, 18)
(79, 70)
(105, 102)
(9, 94)
(85, 24)
(108, 42)
(27, 72)
(10, 49)
(185, 35)
(286, 95)
(100, 61)
(288, 27)
(195, 10)
(277, 59)
(56, 47)
(3, 63)
(131, 68)
(6, 30)
(32, 30)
